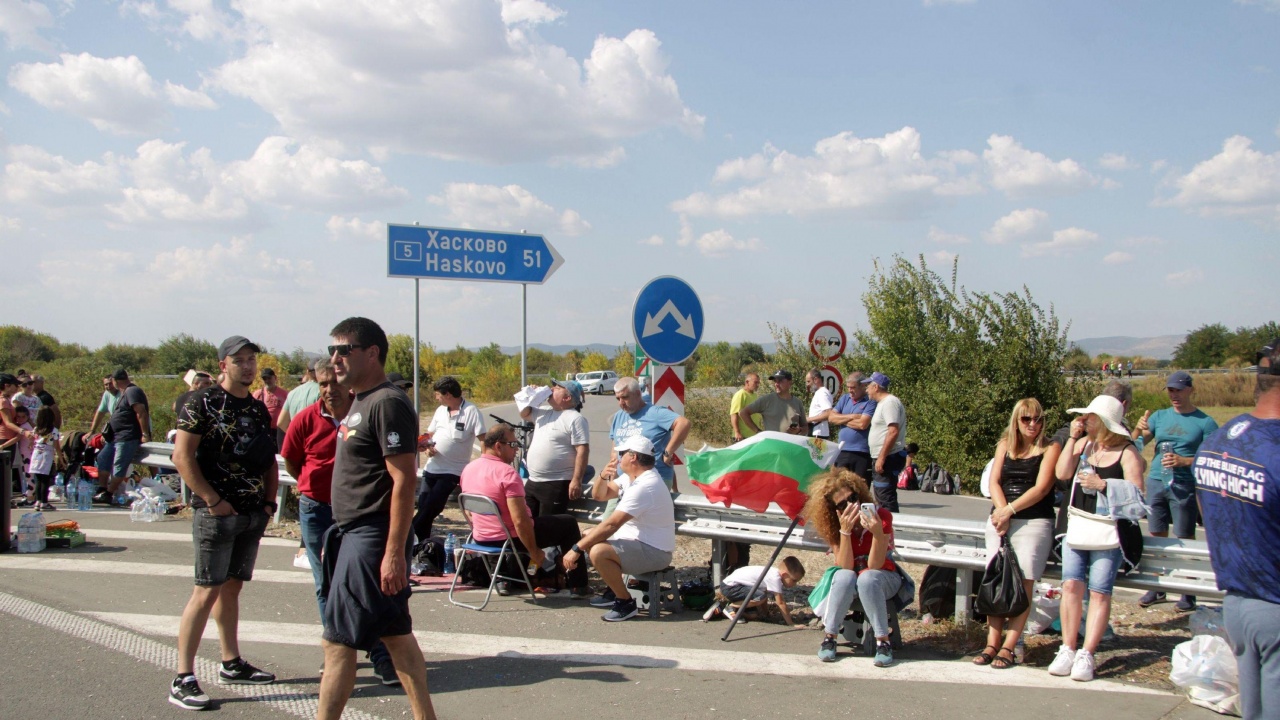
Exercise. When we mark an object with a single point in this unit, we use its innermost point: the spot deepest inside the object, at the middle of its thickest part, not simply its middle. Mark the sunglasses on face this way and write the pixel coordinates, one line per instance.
(840, 506)
(1032, 419)
(344, 349)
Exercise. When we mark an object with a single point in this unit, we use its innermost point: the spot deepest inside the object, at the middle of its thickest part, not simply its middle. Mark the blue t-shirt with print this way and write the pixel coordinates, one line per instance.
(850, 439)
(654, 423)
(1236, 473)
(1186, 431)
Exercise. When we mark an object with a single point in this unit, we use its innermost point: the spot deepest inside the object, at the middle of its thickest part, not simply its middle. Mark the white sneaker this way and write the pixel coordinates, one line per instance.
(1082, 668)
(1063, 662)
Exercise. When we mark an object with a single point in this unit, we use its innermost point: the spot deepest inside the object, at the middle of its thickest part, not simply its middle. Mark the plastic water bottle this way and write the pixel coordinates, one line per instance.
(69, 494)
(450, 565)
(59, 487)
(1164, 448)
(31, 533)
(84, 496)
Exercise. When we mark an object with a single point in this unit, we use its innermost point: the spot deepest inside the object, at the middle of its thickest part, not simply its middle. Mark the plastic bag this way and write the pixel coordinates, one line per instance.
(1045, 603)
(1206, 668)
(1002, 592)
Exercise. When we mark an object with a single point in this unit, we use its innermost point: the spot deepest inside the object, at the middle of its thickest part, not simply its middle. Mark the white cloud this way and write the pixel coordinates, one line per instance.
(1237, 181)
(459, 80)
(1184, 278)
(55, 269)
(313, 179)
(203, 20)
(34, 178)
(1015, 225)
(227, 267)
(942, 237)
(169, 186)
(115, 94)
(942, 256)
(21, 22)
(719, 243)
(1116, 161)
(1018, 172)
(511, 207)
(653, 241)
(1117, 258)
(1064, 243)
(341, 228)
(844, 172)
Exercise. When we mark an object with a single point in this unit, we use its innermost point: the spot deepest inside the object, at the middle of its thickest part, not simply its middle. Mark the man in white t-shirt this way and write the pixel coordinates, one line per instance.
(887, 438)
(820, 406)
(557, 459)
(638, 537)
(452, 436)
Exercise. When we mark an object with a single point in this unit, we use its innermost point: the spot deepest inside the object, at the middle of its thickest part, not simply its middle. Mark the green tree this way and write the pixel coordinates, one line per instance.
(179, 353)
(960, 360)
(595, 361)
(1206, 346)
(750, 352)
(132, 358)
(21, 346)
(1245, 342)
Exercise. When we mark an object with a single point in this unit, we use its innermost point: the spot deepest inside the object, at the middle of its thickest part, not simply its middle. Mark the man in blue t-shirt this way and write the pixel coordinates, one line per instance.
(1236, 474)
(1177, 432)
(665, 429)
(853, 412)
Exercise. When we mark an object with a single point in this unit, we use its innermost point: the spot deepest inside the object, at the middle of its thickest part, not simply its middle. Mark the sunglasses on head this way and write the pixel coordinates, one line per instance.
(344, 349)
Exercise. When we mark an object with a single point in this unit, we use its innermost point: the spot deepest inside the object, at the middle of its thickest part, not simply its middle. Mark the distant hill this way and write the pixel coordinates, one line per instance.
(1160, 348)
(605, 348)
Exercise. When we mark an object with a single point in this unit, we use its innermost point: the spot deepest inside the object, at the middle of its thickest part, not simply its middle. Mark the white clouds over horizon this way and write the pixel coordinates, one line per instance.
(510, 208)
(1239, 180)
(115, 94)
(1063, 243)
(1017, 224)
(1019, 172)
(21, 22)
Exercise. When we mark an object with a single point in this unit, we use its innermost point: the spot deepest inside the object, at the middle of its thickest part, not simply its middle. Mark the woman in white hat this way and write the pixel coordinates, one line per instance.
(1100, 437)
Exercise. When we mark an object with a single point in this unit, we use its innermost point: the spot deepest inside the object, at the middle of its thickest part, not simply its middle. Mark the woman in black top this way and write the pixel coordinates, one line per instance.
(1022, 479)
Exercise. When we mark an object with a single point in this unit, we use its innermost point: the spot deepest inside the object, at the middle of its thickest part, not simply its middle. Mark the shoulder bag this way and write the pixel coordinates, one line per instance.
(1089, 531)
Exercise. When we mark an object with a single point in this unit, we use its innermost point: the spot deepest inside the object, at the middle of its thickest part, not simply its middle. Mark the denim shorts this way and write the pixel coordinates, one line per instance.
(1100, 566)
(126, 451)
(226, 547)
(1171, 503)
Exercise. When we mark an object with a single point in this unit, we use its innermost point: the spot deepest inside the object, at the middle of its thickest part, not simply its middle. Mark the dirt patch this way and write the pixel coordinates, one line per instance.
(1139, 652)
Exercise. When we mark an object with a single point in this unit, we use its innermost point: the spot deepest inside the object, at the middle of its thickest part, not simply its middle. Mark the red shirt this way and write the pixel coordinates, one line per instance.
(310, 443)
(862, 538)
(274, 400)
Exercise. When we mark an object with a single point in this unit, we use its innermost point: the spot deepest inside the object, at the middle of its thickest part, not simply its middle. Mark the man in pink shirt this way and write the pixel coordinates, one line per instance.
(491, 475)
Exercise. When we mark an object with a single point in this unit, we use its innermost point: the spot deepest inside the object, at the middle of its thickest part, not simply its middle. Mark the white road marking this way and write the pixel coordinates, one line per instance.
(292, 699)
(45, 563)
(100, 534)
(650, 656)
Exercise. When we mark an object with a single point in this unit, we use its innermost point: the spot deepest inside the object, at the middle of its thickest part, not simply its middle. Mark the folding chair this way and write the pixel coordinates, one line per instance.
(492, 557)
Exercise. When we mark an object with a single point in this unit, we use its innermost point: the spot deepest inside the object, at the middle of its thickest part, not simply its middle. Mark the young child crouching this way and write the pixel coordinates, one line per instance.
(734, 589)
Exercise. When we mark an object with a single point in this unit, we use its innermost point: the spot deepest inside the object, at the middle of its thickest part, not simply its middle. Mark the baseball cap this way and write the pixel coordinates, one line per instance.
(878, 378)
(266, 372)
(235, 344)
(636, 443)
(573, 386)
(398, 380)
(1180, 380)
(781, 374)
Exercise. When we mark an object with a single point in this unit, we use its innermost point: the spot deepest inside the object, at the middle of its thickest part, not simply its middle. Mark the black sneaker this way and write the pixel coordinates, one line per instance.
(239, 672)
(102, 497)
(622, 610)
(386, 671)
(605, 599)
(187, 694)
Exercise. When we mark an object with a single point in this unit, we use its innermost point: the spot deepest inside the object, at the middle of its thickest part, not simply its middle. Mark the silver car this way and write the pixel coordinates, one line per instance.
(597, 382)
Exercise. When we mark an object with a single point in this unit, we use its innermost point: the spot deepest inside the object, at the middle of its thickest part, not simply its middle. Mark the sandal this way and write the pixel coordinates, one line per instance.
(1001, 662)
(984, 657)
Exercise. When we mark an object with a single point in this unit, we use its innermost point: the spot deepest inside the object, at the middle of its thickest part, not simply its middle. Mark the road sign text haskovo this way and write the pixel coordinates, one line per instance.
(667, 320)
(483, 255)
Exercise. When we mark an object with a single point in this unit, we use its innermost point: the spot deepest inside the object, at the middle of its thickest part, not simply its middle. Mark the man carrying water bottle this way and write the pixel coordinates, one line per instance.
(1171, 486)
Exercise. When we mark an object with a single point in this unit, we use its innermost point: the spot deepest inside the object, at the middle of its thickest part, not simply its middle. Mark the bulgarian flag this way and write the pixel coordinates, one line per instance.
(764, 468)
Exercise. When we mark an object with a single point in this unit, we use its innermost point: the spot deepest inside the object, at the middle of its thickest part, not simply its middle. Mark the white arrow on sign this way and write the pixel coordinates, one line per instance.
(653, 324)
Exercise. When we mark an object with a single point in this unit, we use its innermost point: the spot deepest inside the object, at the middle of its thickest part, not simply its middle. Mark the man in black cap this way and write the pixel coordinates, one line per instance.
(780, 410)
(227, 456)
(129, 427)
(1170, 486)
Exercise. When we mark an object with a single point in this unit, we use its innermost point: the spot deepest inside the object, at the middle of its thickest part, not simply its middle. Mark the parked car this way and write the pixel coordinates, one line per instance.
(598, 382)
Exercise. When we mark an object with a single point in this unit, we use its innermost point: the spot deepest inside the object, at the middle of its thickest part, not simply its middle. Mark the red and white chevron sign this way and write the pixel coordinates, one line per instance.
(668, 392)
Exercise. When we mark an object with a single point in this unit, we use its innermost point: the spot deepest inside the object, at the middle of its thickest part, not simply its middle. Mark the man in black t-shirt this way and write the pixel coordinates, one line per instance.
(46, 399)
(366, 552)
(129, 427)
(227, 456)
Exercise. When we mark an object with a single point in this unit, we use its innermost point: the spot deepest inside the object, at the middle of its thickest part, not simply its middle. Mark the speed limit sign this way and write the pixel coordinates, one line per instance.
(827, 341)
(833, 380)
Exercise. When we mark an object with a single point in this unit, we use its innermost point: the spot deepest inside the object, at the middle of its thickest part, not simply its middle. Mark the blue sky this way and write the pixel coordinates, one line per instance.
(214, 168)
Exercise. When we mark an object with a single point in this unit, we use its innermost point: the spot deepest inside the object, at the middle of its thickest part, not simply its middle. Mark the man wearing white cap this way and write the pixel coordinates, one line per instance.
(638, 537)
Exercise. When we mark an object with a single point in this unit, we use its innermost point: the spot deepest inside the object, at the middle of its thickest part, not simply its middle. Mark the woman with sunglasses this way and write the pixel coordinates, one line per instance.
(841, 509)
(1022, 480)
(1098, 452)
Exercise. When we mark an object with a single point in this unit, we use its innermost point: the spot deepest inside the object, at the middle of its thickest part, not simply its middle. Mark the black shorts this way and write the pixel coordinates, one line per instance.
(356, 612)
(227, 546)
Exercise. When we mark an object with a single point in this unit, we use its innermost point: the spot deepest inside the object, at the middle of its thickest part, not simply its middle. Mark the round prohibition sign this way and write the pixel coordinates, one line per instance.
(833, 380)
(827, 341)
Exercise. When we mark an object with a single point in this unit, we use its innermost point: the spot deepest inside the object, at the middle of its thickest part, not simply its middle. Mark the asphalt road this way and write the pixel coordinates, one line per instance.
(89, 633)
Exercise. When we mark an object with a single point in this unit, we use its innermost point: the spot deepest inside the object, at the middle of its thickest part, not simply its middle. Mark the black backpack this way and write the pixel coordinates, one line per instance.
(428, 555)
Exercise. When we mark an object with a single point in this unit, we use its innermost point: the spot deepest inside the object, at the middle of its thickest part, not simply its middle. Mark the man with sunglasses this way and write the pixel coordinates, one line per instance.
(366, 552)
(1170, 485)
(1236, 472)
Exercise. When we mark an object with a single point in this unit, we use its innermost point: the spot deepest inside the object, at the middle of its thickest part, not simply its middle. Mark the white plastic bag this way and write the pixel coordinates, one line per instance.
(1206, 668)
(1045, 602)
(158, 488)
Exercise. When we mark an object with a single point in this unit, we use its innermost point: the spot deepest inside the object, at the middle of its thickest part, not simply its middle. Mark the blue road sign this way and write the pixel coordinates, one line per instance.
(483, 255)
(667, 320)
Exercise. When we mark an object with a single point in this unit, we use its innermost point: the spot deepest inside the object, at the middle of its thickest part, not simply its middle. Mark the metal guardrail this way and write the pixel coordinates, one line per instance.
(160, 455)
(1168, 564)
